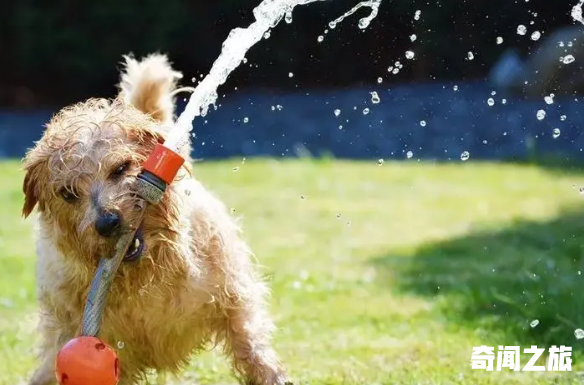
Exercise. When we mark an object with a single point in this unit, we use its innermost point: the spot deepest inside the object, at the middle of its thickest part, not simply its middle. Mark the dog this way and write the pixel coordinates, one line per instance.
(188, 280)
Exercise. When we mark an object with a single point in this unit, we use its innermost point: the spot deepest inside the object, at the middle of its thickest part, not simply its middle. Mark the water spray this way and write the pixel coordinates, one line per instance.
(87, 360)
(267, 15)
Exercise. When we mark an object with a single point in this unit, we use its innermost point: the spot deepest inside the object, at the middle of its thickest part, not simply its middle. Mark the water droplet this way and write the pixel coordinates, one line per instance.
(121, 344)
(504, 101)
(279, 107)
(380, 162)
(364, 23)
(499, 40)
(521, 29)
(535, 35)
(302, 197)
(534, 323)
(235, 169)
(540, 114)
(379, 80)
(491, 102)
(563, 117)
(332, 25)
(409, 154)
(549, 99)
(245, 119)
(410, 55)
(290, 75)
(417, 15)
(267, 35)
(337, 112)
(455, 87)
(365, 111)
(338, 216)
(288, 17)
(423, 123)
(579, 333)
(568, 59)
(464, 156)
(232, 210)
(413, 37)
(374, 97)
(470, 55)
(320, 38)
(556, 133)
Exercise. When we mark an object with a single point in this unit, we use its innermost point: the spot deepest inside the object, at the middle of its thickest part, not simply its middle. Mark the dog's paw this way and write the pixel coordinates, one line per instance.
(281, 380)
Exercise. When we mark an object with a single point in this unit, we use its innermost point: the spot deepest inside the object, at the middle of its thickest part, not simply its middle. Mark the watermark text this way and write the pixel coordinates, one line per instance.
(508, 357)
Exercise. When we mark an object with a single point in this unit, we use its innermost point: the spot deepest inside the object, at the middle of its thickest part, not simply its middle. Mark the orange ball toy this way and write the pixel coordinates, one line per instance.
(87, 361)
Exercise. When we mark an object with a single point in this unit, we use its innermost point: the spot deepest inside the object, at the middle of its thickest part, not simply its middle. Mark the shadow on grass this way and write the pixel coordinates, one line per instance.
(552, 162)
(503, 280)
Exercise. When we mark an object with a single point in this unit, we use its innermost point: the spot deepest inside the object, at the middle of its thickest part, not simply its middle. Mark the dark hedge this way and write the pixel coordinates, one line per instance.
(58, 51)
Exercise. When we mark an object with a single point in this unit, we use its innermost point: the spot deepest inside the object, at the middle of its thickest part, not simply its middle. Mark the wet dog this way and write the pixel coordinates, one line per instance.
(188, 280)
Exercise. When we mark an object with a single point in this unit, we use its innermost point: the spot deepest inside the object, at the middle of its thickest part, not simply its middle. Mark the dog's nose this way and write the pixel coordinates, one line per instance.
(107, 223)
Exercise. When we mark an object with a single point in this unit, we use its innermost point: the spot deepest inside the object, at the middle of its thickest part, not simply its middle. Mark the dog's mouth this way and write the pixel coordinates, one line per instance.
(137, 246)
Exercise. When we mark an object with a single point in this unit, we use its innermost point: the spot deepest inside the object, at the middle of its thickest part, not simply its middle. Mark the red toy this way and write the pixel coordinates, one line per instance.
(87, 361)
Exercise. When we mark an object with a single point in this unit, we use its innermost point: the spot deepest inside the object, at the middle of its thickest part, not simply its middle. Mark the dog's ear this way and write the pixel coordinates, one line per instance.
(30, 195)
(33, 168)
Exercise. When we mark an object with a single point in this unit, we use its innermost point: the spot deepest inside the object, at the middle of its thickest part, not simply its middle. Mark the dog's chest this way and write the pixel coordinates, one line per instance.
(159, 327)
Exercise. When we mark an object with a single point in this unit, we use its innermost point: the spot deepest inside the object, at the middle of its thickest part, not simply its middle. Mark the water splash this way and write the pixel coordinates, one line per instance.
(363, 22)
(267, 15)
(577, 12)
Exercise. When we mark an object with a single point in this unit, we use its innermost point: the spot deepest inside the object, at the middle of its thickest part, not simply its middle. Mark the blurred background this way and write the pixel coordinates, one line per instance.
(282, 101)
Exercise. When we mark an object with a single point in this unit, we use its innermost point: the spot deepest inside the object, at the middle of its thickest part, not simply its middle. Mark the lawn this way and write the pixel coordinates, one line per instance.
(381, 274)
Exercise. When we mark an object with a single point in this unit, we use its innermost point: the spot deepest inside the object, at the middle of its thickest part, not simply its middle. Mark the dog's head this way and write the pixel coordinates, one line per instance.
(81, 174)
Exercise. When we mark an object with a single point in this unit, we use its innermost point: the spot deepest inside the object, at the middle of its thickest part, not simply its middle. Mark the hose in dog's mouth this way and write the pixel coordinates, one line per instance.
(158, 171)
(137, 246)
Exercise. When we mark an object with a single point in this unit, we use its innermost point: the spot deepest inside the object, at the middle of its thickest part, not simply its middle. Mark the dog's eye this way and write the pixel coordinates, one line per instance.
(120, 170)
(68, 196)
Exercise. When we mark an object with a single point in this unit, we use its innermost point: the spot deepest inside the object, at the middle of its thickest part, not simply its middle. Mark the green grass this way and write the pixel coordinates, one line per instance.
(381, 274)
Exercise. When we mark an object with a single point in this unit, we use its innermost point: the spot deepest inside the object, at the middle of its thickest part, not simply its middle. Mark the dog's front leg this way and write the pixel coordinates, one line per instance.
(249, 329)
(54, 335)
(45, 374)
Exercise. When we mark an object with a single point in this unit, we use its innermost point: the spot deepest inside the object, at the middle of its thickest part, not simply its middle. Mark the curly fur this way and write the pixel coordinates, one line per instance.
(195, 285)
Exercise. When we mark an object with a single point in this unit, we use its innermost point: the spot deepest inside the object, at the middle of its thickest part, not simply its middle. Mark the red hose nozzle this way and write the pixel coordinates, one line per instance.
(163, 163)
